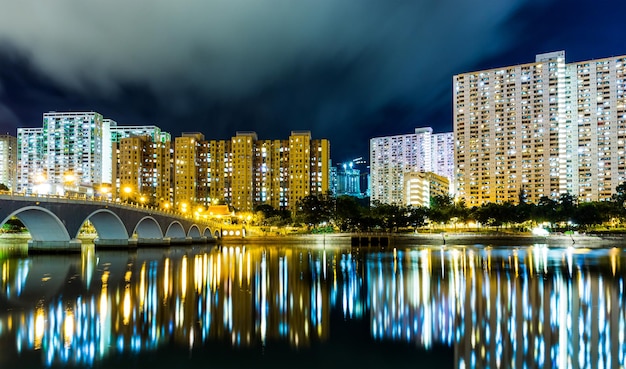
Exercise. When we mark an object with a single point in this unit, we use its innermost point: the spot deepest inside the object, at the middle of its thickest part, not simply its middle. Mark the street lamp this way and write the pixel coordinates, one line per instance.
(69, 182)
(127, 191)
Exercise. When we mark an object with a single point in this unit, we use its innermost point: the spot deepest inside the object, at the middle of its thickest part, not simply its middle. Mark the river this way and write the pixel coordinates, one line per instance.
(314, 305)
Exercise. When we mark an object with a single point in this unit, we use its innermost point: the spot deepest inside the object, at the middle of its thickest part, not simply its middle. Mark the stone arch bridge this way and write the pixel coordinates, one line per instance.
(54, 223)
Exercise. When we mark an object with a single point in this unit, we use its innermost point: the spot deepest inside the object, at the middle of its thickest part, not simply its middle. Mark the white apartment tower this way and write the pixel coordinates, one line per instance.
(540, 129)
(65, 153)
(393, 156)
(8, 160)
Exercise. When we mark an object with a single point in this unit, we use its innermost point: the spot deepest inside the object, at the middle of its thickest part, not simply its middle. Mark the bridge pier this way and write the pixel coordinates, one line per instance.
(153, 241)
(113, 243)
(55, 246)
(181, 241)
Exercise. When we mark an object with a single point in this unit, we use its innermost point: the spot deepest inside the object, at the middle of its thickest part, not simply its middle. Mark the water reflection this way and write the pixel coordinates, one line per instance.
(507, 307)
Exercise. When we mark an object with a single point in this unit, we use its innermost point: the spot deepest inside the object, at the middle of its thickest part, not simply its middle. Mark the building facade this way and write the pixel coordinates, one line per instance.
(142, 162)
(420, 187)
(393, 156)
(186, 167)
(66, 154)
(540, 129)
(8, 161)
(144, 171)
(245, 171)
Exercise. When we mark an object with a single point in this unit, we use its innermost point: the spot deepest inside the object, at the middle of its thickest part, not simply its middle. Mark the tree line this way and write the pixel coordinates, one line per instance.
(350, 214)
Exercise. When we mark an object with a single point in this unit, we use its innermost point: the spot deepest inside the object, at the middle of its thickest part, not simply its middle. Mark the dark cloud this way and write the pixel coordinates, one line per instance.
(346, 70)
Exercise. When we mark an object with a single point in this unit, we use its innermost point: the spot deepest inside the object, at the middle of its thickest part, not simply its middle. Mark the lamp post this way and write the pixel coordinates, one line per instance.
(127, 190)
(69, 182)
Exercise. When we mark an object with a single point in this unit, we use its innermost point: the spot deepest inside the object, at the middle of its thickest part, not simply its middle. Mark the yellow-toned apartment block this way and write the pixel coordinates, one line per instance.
(243, 152)
(186, 164)
(143, 170)
(245, 171)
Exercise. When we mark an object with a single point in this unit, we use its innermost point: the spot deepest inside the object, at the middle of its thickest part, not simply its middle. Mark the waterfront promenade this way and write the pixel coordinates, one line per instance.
(459, 238)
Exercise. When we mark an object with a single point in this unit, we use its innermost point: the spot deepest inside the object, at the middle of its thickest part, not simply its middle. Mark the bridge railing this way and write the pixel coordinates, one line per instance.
(98, 200)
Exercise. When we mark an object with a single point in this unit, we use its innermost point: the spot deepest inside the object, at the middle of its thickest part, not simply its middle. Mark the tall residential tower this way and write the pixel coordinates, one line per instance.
(8, 161)
(65, 154)
(541, 129)
(392, 157)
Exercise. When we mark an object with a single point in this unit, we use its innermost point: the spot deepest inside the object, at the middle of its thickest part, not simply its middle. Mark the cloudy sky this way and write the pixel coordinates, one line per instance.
(347, 70)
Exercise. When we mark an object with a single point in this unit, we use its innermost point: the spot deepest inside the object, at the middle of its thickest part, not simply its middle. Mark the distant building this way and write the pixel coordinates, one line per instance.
(86, 153)
(393, 156)
(245, 171)
(420, 187)
(8, 161)
(541, 129)
(348, 180)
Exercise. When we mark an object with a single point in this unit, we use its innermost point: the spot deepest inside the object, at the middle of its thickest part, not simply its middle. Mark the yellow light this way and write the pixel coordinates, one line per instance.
(142, 199)
(40, 178)
(126, 306)
(40, 326)
(68, 328)
(69, 177)
(127, 189)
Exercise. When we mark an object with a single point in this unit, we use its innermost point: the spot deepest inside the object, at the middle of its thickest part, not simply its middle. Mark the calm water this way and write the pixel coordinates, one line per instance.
(313, 306)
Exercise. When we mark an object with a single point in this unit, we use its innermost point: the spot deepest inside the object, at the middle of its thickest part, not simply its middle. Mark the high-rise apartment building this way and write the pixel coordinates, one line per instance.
(186, 167)
(393, 156)
(245, 171)
(144, 171)
(65, 154)
(142, 164)
(541, 129)
(217, 160)
(8, 161)
(242, 162)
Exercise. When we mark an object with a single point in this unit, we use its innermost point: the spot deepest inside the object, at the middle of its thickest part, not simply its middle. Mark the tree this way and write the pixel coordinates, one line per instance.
(619, 201)
(489, 214)
(545, 211)
(591, 213)
(417, 216)
(348, 214)
(565, 207)
(314, 210)
(441, 209)
(388, 216)
(3, 187)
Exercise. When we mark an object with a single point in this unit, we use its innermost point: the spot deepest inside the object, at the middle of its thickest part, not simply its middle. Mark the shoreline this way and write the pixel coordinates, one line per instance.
(415, 239)
(499, 239)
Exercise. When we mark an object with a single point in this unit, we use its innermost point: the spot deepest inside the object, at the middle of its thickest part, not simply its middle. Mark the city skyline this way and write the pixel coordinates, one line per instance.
(272, 67)
(85, 153)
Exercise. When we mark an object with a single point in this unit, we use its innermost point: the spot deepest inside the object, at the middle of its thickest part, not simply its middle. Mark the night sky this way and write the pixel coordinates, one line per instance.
(347, 70)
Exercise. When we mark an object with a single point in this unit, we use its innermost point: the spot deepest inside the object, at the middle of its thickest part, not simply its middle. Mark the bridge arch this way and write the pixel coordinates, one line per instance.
(108, 225)
(175, 230)
(148, 228)
(42, 224)
(194, 232)
(211, 234)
